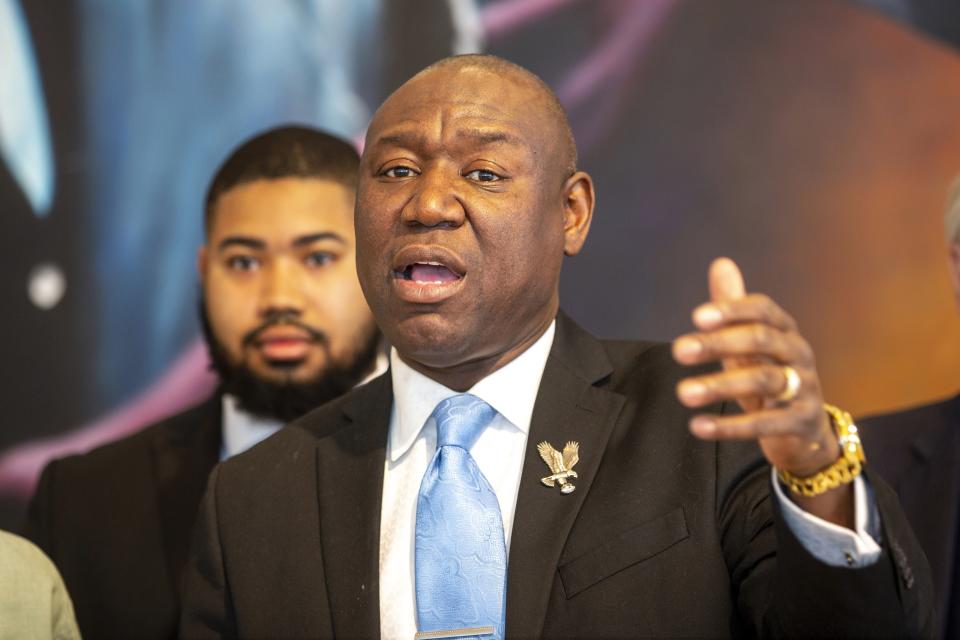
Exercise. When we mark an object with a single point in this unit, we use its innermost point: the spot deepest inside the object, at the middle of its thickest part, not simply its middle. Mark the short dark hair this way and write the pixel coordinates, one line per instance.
(285, 152)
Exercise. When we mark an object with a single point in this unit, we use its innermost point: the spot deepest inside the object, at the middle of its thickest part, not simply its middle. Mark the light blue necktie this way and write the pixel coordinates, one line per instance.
(461, 558)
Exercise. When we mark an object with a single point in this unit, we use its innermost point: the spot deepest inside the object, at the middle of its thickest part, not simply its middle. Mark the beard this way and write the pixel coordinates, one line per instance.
(289, 399)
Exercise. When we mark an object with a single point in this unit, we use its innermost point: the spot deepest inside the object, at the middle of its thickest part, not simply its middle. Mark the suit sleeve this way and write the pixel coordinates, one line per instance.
(782, 590)
(207, 610)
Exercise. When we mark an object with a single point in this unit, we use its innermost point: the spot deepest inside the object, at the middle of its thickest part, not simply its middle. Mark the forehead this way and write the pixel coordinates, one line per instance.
(461, 107)
(283, 208)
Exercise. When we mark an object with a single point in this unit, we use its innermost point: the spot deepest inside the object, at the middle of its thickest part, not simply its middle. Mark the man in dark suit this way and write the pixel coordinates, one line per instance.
(918, 452)
(389, 512)
(287, 329)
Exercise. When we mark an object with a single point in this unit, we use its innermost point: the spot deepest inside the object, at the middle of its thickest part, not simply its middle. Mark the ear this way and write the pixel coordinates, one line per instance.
(578, 201)
(953, 253)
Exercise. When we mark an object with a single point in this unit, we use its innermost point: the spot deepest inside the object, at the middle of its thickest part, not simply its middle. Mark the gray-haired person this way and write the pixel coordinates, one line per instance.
(918, 451)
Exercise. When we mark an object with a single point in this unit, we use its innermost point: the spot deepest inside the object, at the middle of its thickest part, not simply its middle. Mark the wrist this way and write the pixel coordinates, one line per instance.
(823, 453)
(846, 460)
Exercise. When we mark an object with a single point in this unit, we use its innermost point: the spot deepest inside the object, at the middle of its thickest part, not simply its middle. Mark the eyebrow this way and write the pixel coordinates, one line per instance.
(259, 245)
(243, 241)
(316, 237)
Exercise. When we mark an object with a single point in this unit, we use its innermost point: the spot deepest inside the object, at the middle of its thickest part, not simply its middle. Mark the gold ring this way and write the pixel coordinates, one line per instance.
(792, 381)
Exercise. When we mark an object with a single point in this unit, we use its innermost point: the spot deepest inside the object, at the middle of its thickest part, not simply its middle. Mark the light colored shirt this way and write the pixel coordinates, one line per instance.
(34, 603)
(830, 543)
(512, 391)
(242, 430)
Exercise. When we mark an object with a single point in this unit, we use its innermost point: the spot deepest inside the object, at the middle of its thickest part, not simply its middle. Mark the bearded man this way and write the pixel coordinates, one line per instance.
(287, 329)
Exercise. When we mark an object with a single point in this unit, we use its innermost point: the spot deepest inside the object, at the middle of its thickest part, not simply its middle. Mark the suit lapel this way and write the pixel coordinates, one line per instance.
(184, 455)
(350, 482)
(568, 407)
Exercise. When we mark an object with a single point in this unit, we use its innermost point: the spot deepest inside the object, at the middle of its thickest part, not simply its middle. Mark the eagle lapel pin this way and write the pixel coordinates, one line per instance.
(561, 464)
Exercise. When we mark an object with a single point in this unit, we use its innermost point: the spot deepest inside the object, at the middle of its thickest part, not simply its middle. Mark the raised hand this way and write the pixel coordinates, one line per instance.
(763, 356)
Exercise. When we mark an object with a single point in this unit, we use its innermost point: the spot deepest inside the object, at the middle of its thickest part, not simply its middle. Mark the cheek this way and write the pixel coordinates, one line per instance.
(370, 246)
(231, 310)
(528, 255)
(371, 264)
(375, 219)
(338, 301)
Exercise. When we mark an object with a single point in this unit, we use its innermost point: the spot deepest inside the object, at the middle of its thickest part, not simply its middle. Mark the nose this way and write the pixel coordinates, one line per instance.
(282, 289)
(436, 202)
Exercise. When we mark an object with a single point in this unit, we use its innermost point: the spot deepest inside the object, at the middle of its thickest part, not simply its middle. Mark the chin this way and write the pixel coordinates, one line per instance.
(432, 340)
(281, 374)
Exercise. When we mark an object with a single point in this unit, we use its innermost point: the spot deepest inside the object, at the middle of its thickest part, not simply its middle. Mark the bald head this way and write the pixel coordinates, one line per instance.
(542, 100)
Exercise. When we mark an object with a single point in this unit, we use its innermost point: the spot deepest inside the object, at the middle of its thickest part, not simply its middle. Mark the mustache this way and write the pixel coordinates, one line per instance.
(283, 318)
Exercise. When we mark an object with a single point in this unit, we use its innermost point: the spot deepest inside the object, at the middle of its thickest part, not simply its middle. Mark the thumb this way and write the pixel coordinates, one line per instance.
(726, 281)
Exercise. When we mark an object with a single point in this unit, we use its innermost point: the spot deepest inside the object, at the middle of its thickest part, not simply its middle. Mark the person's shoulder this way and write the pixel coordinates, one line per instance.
(906, 425)
(892, 441)
(20, 554)
(22, 560)
(112, 457)
(33, 599)
(291, 445)
(646, 360)
(638, 353)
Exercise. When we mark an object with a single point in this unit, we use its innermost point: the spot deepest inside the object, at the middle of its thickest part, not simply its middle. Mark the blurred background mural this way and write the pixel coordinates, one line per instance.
(813, 142)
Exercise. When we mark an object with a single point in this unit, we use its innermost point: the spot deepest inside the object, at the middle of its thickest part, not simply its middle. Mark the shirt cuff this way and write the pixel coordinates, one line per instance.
(830, 543)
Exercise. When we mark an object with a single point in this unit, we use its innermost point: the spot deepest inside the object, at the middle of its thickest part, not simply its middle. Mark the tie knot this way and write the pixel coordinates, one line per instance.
(461, 419)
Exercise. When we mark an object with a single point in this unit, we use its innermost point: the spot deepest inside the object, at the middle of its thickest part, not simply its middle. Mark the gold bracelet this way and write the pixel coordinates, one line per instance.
(843, 471)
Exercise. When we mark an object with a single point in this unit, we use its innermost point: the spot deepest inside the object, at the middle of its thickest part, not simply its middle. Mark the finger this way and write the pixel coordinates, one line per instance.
(744, 340)
(750, 426)
(755, 307)
(726, 282)
(765, 380)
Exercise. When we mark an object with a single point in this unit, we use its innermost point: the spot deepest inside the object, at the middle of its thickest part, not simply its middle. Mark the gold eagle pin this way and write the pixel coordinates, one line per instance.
(561, 464)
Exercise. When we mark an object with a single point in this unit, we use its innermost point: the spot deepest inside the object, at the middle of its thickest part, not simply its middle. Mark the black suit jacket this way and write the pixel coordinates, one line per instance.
(918, 452)
(116, 522)
(666, 535)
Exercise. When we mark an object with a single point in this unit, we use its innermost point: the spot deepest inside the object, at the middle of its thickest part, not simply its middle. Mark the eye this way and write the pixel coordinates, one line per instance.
(319, 259)
(243, 263)
(400, 171)
(483, 175)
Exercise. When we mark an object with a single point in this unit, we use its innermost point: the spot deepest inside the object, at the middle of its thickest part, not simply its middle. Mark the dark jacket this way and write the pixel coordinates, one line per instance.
(666, 535)
(918, 452)
(116, 522)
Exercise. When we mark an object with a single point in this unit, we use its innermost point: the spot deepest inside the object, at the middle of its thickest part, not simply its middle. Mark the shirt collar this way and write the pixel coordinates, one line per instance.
(511, 390)
(242, 430)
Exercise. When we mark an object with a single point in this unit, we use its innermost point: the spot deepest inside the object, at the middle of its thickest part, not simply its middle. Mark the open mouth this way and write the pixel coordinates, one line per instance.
(431, 272)
(427, 274)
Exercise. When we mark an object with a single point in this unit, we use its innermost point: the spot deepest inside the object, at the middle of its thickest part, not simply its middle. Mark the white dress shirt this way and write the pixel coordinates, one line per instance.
(512, 391)
(242, 430)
